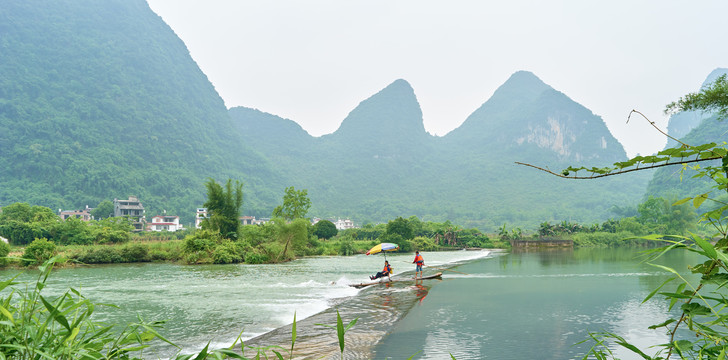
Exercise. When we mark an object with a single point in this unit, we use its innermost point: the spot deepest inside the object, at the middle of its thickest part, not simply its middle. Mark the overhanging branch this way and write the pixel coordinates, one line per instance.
(653, 166)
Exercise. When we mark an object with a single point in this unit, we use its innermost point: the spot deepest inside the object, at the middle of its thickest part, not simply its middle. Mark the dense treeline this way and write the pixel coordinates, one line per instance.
(37, 227)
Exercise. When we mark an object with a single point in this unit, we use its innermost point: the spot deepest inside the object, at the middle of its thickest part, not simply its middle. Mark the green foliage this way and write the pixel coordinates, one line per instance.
(105, 209)
(112, 230)
(607, 239)
(515, 233)
(73, 231)
(709, 98)
(401, 227)
(256, 258)
(661, 216)
(223, 207)
(97, 121)
(4, 251)
(226, 253)
(702, 310)
(341, 330)
(199, 246)
(292, 237)
(346, 247)
(325, 229)
(104, 254)
(100, 255)
(38, 327)
(39, 251)
(21, 223)
(295, 204)
(422, 244)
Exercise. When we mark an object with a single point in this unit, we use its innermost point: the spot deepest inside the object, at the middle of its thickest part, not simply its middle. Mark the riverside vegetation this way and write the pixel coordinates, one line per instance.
(700, 306)
(62, 328)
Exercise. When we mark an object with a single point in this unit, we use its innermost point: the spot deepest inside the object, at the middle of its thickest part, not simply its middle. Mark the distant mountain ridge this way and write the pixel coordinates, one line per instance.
(576, 135)
(101, 100)
(381, 159)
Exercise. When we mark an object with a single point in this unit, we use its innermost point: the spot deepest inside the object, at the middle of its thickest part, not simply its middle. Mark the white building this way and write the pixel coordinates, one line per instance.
(340, 224)
(165, 223)
(343, 224)
(199, 216)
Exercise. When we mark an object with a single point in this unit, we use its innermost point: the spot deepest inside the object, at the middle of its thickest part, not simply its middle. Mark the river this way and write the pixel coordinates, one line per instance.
(489, 304)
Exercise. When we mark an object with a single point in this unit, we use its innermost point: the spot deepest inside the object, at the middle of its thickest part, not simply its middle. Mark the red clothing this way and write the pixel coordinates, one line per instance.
(419, 260)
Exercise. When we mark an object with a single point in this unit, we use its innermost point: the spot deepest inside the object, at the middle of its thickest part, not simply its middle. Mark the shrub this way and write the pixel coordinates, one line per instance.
(4, 251)
(38, 251)
(159, 255)
(346, 247)
(135, 253)
(226, 253)
(101, 255)
(422, 244)
(37, 332)
(256, 258)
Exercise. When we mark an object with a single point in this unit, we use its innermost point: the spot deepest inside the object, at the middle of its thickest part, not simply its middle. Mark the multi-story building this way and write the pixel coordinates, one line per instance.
(343, 224)
(133, 209)
(165, 223)
(199, 216)
(340, 224)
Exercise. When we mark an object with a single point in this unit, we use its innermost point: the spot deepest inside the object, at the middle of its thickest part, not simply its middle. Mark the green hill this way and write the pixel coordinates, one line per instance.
(694, 128)
(381, 163)
(100, 99)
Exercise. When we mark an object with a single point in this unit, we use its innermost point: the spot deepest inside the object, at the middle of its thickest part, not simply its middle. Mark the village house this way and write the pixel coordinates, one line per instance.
(343, 224)
(165, 223)
(84, 215)
(133, 209)
(251, 220)
(199, 216)
(340, 224)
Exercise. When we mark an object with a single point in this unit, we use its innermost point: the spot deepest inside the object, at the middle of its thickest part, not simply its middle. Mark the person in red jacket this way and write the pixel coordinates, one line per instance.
(387, 271)
(420, 263)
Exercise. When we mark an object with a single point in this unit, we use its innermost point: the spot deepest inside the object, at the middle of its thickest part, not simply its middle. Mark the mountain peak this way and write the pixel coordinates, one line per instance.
(714, 75)
(393, 111)
(522, 84)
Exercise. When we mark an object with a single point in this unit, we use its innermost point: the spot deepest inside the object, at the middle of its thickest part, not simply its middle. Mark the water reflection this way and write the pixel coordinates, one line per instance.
(534, 305)
(421, 292)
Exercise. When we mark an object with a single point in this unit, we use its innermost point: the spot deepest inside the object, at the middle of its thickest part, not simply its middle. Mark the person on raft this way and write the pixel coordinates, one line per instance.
(420, 263)
(385, 272)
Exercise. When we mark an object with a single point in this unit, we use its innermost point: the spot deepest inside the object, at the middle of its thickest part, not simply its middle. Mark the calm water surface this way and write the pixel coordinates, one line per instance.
(533, 305)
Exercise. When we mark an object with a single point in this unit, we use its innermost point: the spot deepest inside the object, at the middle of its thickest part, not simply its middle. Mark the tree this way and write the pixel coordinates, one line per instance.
(295, 204)
(104, 210)
(325, 229)
(293, 236)
(712, 98)
(401, 227)
(702, 307)
(21, 223)
(660, 215)
(223, 207)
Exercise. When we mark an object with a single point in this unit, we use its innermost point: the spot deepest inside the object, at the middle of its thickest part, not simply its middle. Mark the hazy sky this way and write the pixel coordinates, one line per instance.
(314, 61)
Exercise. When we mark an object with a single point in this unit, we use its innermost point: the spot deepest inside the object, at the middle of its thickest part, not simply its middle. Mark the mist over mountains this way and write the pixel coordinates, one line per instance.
(101, 100)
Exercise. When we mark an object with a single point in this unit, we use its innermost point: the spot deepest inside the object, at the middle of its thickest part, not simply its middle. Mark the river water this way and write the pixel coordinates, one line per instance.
(489, 304)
